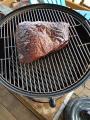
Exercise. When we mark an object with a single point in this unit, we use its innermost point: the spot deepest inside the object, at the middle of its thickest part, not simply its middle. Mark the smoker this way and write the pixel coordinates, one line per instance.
(58, 73)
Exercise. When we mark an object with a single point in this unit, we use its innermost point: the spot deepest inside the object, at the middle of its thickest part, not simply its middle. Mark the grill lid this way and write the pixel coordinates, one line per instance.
(58, 72)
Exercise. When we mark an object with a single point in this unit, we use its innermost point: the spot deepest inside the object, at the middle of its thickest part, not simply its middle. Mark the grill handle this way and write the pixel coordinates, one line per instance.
(52, 102)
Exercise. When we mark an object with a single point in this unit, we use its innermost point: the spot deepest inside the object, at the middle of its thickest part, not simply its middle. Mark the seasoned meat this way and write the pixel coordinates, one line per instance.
(37, 39)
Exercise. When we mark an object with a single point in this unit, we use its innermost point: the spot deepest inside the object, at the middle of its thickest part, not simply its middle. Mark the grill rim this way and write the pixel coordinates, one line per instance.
(48, 95)
(47, 6)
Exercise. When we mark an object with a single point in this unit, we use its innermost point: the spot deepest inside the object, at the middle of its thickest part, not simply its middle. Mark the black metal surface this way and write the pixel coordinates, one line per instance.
(55, 74)
(52, 102)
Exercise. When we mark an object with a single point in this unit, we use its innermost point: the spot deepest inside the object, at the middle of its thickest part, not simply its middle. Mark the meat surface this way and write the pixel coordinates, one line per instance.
(37, 39)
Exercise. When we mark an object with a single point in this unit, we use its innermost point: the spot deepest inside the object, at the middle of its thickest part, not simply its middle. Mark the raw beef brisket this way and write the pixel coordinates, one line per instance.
(37, 39)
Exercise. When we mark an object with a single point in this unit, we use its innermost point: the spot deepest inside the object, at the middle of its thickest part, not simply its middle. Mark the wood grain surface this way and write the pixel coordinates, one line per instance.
(5, 114)
(12, 109)
(42, 110)
(76, 6)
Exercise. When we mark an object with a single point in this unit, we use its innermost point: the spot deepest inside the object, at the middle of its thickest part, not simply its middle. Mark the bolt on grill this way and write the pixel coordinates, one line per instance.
(54, 73)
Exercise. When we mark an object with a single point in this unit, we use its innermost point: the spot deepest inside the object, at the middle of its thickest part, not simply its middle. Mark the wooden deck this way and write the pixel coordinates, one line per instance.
(16, 107)
(12, 109)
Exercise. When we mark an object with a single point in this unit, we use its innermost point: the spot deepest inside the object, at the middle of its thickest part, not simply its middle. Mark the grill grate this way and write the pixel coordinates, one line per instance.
(54, 73)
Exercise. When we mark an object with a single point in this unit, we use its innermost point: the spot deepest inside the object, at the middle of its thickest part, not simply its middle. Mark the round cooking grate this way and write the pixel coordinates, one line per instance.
(55, 74)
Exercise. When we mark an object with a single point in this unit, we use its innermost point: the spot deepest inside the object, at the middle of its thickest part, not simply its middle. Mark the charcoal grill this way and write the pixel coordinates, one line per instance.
(57, 73)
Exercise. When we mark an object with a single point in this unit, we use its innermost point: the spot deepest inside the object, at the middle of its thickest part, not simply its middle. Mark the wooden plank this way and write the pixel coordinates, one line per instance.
(76, 6)
(21, 108)
(14, 106)
(7, 2)
(42, 110)
(5, 114)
